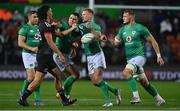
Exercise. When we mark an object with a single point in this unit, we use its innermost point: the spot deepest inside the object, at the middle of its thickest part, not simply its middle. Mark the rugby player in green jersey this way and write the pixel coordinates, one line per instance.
(132, 35)
(28, 39)
(45, 62)
(66, 45)
(95, 56)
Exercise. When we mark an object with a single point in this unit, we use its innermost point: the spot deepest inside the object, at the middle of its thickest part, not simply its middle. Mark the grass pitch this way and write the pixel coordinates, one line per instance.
(90, 97)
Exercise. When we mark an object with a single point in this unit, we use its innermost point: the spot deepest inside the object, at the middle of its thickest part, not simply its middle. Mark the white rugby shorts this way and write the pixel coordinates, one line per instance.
(61, 65)
(95, 61)
(138, 61)
(29, 60)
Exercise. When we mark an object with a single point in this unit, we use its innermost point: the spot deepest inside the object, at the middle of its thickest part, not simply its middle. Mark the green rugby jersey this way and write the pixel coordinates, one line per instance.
(132, 37)
(65, 43)
(94, 46)
(31, 34)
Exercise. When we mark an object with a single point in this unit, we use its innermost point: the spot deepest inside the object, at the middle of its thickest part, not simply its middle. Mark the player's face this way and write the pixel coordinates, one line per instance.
(34, 19)
(126, 18)
(86, 16)
(50, 14)
(72, 19)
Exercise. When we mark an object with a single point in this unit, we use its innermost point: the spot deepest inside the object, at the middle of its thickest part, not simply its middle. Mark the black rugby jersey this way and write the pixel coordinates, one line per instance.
(44, 48)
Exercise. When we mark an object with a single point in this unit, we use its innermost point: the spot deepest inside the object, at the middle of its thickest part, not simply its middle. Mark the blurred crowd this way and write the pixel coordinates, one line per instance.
(10, 22)
(164, 25)
(123, 2)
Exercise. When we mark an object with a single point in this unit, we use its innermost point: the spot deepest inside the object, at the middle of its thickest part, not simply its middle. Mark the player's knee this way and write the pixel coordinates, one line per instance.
(57, 78)
(95, 80)
(98, 79)
(129, 70)
(127, 73)
(30, 78)
(96, 83)
(76, 75)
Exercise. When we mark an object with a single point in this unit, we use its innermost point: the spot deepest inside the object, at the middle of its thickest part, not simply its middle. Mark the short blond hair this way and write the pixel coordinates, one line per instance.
(129, 11)
(89, 10)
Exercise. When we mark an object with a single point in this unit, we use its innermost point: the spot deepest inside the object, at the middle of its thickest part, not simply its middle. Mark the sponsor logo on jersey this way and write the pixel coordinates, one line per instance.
(133, 32)
(32, 31)
(47, 24)
(37, 36)
(80, 27)
(128, 39)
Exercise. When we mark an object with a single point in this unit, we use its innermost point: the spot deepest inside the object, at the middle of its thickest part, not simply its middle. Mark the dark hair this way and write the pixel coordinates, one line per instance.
(76, 14)
(29, 13)
(89, 10)
(42, 12)
(130, 11)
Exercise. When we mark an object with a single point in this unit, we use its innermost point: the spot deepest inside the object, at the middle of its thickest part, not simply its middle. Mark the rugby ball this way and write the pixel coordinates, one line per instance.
(87, 38)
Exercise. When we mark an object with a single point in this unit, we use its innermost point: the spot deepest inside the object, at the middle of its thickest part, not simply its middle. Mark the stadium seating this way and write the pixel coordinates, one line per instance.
(170, 39)
(174, 43)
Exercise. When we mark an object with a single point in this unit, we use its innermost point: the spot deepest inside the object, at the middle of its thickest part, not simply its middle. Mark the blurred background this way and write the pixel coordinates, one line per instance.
(161, 17)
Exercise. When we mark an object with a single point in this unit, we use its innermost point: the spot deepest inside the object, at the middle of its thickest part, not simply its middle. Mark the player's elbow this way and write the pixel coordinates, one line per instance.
(151, 40)
(20, 44)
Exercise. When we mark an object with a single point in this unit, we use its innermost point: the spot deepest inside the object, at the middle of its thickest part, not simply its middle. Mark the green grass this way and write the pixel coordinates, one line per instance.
(90, 97)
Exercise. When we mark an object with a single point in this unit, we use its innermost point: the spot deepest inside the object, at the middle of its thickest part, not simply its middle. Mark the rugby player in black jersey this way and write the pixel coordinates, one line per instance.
(45, 62)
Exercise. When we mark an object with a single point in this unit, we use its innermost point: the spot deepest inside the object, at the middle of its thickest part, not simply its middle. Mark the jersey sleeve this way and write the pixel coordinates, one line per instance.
(145, 32)
(45, 27)
(79, 29)
(22, 32)
(119, 34)
(63, 26)
(96, 27)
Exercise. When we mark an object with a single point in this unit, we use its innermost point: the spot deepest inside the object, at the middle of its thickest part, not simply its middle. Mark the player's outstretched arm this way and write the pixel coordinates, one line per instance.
(65, 32)
(116, 42)
(155, 45)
